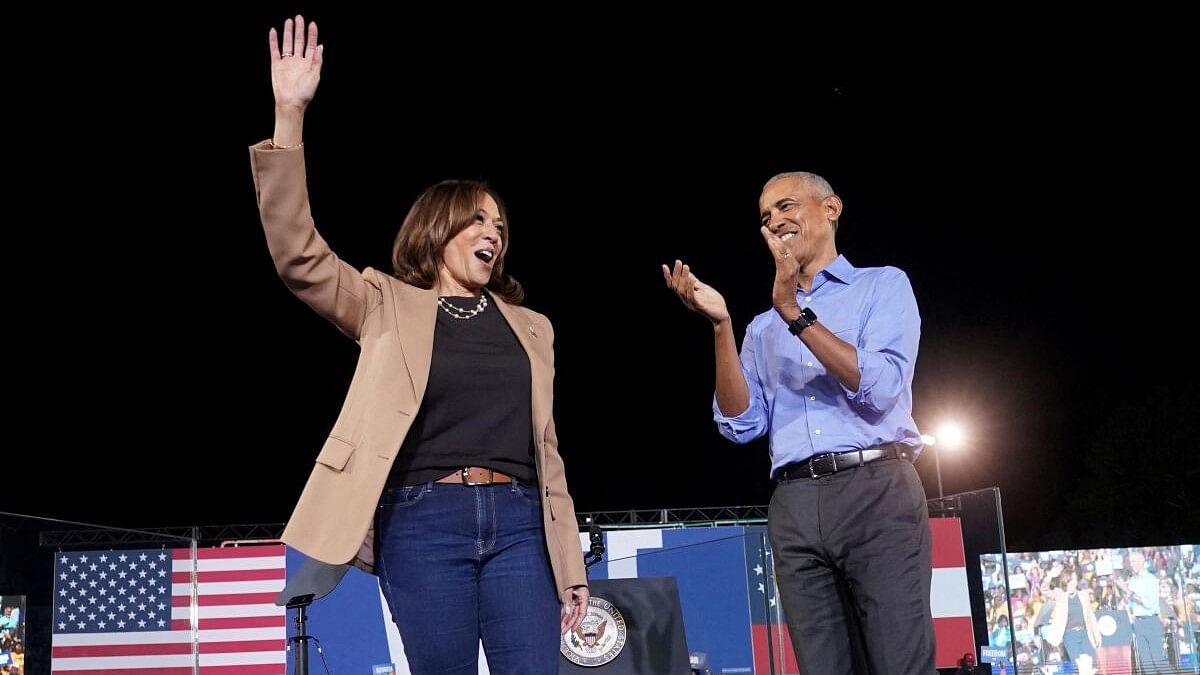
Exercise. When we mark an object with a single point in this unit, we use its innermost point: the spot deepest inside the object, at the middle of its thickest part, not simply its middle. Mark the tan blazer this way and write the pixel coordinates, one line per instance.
(393, 324)
(1058, 617)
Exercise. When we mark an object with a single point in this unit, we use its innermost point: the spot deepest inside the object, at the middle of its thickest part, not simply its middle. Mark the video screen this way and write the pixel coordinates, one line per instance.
(12, 634)
(1094, 611)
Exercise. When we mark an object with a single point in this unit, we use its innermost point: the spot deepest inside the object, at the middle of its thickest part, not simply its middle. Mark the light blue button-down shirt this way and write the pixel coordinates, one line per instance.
(1146, 586)
(805, 409)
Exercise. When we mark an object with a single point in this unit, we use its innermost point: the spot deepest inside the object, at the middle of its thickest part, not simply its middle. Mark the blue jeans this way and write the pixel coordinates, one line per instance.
(461, 564)
(1076, 643)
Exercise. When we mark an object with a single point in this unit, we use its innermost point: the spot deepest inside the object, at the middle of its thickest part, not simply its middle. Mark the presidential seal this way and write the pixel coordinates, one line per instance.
(599, 639)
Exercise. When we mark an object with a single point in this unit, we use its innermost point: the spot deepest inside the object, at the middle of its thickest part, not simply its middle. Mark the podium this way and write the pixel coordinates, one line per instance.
(652, 630)
(1115, 654)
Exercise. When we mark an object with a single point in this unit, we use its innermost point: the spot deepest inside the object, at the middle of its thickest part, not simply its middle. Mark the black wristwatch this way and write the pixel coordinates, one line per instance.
(807, 318)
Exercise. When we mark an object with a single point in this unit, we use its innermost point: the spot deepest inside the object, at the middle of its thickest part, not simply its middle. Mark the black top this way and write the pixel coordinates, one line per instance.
(476, 410)
(1074, 611)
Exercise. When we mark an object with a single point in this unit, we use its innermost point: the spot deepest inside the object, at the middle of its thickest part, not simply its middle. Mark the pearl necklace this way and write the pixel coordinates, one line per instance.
(458, 312)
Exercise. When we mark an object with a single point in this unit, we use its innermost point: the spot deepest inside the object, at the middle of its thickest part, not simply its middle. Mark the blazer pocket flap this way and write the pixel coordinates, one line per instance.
(336, 453)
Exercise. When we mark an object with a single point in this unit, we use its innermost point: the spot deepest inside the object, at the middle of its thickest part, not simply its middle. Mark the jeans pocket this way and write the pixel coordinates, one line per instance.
(528, 493)
(405, 496)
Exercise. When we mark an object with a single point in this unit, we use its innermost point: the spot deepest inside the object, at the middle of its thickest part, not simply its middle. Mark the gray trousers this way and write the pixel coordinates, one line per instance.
(1148, 645)
(853, 559)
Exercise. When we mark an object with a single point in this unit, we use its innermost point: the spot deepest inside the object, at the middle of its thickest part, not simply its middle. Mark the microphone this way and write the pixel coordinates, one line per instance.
(596, 553)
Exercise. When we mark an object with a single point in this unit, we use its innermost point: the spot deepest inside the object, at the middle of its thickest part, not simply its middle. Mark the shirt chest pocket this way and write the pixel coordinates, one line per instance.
(846, 330)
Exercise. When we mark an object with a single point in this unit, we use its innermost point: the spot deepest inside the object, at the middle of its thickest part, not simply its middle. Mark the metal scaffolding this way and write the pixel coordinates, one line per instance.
(206, 535)
(216, 535)
(710, 516)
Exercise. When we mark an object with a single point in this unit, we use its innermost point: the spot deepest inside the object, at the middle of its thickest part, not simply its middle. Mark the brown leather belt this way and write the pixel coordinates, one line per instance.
(475, 475)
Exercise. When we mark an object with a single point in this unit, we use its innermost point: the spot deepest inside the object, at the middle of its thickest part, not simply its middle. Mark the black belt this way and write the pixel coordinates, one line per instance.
(833, 462)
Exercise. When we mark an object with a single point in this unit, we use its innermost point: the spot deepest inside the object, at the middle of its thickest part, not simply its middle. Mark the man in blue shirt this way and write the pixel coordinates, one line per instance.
(1143, 602)
(848, 521)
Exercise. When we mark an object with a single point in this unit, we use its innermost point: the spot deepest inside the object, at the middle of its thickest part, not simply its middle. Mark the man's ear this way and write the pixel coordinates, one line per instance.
(833, 207)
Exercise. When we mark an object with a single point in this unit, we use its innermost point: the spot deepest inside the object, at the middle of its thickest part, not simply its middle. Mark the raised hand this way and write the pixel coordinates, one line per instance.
(695, 295)
(787, 271)
(295, 64)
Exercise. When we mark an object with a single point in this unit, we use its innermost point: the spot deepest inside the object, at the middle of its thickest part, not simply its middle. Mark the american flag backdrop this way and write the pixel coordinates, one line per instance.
(949, 601)
(129, 612)
(949, 595)
(727, 590)
(726, 593)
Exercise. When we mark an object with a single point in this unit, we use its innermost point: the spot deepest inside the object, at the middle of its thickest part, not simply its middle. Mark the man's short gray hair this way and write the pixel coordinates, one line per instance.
(819, 185)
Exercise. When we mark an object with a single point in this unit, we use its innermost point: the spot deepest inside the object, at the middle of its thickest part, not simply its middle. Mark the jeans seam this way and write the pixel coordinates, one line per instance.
(478, 520)
(494, 532)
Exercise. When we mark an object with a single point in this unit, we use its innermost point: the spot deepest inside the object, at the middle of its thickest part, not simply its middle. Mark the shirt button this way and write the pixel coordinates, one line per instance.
(818, 432)
(812, 398)
(809, 298)
(809, 364)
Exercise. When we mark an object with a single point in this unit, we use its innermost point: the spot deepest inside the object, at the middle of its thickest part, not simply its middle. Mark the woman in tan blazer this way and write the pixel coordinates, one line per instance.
(1073, 623)
(442, 472)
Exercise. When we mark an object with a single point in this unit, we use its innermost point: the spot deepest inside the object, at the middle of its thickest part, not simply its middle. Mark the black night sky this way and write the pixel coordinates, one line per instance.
(160, 374)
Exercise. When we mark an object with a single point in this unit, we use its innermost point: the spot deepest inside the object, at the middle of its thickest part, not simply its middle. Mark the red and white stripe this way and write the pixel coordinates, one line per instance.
(949, 600)
(949, 595)
(241, 630)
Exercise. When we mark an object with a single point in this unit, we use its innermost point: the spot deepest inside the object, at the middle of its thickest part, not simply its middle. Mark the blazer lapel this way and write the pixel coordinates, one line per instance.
(416, 316)
(537, 349)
